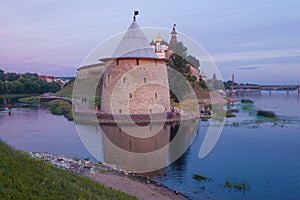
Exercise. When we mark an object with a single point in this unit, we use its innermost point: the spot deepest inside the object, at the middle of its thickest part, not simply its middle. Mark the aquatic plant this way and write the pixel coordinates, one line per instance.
(247, 101)
(244, 185)
(229, 113)
(265, 113)
(199, 177)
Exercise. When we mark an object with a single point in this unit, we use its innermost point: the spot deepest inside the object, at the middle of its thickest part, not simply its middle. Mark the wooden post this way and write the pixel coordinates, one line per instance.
(259, 91)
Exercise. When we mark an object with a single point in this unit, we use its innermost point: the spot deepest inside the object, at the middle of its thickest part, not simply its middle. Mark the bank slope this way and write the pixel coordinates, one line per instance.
(22, 177)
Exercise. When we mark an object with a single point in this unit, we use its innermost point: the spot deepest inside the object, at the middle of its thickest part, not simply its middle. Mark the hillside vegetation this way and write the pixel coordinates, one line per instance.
(23, 177)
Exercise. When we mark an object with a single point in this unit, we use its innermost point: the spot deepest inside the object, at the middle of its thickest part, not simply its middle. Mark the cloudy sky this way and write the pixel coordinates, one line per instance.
(258, 41)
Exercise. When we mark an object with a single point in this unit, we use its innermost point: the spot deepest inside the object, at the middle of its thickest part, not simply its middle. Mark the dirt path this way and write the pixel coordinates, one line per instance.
(141, 190)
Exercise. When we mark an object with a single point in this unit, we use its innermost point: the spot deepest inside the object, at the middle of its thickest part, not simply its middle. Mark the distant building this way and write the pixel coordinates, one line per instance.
(49, 79)
(162, 50)
(160, 46)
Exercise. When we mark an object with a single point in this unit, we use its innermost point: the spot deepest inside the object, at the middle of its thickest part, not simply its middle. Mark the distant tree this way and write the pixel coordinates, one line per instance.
(228, 84)
(2, 75)
(30, 86)
(203, 84)
(180, 64)
(9, 88)
(32, 76)
(43, 85)
(19, 87)
(11, 76)
(2, 87)
(179, 49)
(193, 60)
(54, 87)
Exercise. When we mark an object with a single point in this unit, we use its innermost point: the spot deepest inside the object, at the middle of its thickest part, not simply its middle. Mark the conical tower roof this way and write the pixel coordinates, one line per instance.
(174, 37)
(134, 44)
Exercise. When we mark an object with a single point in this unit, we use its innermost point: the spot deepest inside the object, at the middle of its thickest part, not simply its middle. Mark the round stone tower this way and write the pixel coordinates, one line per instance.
(135, 80)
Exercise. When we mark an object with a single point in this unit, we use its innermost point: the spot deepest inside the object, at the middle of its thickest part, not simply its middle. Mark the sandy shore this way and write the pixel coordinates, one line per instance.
(146, 191)
(110, 176)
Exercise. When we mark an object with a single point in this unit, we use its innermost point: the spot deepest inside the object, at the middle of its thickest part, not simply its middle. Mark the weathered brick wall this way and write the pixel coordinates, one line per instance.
(135, 86)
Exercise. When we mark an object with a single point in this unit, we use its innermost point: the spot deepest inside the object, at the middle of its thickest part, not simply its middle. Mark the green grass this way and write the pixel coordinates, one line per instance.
(16, 96)
(67, 90)
(23, 177)
(60, 107)
(31, 99)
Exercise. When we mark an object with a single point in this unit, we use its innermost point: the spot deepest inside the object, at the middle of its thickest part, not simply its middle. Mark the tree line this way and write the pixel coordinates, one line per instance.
(28, 83)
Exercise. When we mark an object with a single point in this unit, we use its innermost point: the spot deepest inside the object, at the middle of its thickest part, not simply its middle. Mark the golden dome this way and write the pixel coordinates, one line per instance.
(159, 39)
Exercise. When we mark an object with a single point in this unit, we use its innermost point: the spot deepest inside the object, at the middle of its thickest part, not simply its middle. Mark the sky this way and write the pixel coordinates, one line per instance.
(258, 41)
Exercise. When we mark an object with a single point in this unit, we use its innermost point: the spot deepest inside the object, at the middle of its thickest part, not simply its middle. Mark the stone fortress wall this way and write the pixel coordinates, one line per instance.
(135, 86)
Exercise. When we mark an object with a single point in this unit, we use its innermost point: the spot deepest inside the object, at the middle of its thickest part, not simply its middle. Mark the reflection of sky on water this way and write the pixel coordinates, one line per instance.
(266, 156)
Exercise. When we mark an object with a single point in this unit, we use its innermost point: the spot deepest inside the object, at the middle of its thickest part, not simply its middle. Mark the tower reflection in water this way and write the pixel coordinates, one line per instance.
(114, 144)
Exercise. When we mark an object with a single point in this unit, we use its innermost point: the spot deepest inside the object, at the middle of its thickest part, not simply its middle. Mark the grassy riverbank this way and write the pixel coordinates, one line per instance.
(57, 107)
(60, 107)
(22, 177)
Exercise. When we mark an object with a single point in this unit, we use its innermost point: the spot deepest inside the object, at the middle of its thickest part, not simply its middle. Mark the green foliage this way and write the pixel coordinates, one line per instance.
(27, 83)
(247, 101)
(31, 76)
(19, 86)
(193, 60)
(265, 113)
(9, 88)
(23, 177)
(30, 99)
(203, 84)
(60, 107)
(179, 49)
(2, 75)
(67, 90)
(227, 85)
(2, 87)
(11, 76)
(180, 64)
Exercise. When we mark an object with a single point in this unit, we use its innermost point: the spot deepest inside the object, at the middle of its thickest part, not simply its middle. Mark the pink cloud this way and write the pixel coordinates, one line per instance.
(2, 34)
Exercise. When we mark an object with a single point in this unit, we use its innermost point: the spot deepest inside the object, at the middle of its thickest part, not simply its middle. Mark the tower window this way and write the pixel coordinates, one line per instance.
(130, 95)
(156, 95)
(137, 62)
(118, 62)
(145, 80)
(124, 79)
(120, 111)
(108, 78)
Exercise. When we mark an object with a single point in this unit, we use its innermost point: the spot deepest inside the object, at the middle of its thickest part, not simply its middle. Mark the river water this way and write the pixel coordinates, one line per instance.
(262, 152)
